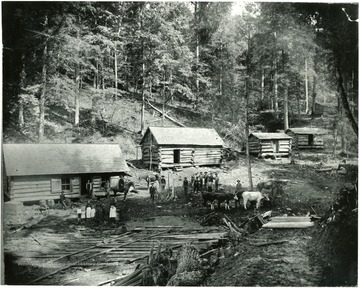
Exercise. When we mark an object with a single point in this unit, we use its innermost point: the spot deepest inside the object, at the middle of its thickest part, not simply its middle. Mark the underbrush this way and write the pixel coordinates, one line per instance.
(334, 244)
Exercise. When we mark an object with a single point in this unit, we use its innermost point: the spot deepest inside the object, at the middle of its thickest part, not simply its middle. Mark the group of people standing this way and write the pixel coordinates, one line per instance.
(205, 182)
(156, 185)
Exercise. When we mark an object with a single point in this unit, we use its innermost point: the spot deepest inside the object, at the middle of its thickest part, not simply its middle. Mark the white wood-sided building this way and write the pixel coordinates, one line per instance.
(269, 144)
(166, 147)
(307, 138)
(41, 171)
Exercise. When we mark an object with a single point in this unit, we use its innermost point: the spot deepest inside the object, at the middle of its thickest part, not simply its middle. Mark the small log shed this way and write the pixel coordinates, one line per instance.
(269, 144)
(167, 147)
(307, 138)
(325, 108)
(41, 171)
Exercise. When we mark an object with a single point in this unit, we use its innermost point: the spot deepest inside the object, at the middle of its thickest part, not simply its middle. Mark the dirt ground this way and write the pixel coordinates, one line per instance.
(287, 264)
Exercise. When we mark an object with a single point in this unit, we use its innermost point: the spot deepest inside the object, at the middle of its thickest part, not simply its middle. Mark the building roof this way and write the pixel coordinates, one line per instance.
(308, 131)
(51, 159)
(269, 136)
(185, 136)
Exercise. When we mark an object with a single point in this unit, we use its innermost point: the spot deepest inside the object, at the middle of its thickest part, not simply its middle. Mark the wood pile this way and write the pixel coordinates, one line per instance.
(216, 218)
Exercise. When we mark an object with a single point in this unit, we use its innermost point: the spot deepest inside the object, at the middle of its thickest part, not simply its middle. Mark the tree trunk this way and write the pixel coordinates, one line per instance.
(286, 108)
(43, 95)
(314, 96)
(22, 86)
(142, 125)
(262, 83)
(276, 105)
(77, 81)
(21, 114)
(248, 161)
(164, 99)
(247, 93)
(115, 72)
(197, 54)
(306, 89)
(345, 103)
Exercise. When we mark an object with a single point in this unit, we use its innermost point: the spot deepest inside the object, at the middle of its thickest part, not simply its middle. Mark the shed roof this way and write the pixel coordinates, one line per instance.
(269, 136)
(307, 131)
(185, 136)
(51, 159)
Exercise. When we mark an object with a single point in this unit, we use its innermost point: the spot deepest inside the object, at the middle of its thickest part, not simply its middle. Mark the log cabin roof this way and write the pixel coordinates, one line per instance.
(270, 136)
(184, 136)
(307, 131)
(51, 159)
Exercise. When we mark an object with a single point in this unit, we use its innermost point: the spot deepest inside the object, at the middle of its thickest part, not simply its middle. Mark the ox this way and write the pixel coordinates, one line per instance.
(220, 197)
(254, 196)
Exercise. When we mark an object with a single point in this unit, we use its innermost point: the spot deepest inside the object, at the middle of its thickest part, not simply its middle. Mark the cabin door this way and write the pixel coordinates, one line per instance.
(275, 145)
(311, 140)
(177, 156)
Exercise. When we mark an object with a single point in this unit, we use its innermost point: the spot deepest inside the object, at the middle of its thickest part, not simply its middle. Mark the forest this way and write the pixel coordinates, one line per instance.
(103, 72)
(68, 67)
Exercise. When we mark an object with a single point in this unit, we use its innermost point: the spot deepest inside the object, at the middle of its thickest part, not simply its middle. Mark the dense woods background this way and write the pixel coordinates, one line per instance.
(89, 71)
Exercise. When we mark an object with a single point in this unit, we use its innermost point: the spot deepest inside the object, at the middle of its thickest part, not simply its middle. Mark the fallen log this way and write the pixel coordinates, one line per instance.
(165, 115)
(269, 243)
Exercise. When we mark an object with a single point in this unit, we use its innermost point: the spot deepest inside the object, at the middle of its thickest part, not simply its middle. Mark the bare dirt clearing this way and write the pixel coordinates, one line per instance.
(245, 264)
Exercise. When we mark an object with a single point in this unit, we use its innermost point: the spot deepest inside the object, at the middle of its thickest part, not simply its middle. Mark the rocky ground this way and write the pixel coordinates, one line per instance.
(245, 264)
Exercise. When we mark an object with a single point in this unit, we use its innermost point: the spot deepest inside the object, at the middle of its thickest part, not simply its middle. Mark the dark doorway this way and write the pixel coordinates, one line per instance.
(311, 140)
(84, 179)
(177, 156)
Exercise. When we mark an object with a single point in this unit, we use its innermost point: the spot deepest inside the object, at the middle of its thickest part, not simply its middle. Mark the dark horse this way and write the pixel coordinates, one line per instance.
(128, 187)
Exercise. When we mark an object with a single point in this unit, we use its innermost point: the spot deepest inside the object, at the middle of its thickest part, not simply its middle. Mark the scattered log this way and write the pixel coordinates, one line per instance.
(37, 241)
(269, 243)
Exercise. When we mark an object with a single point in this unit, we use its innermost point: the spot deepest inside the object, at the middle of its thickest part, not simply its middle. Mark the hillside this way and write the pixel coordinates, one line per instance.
(119, 120)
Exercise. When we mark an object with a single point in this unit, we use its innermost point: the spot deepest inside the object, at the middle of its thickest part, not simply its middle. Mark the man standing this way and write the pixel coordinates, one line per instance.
(152, 192)
(238, 192)
(206, 180)
(121, 184)
(201, 180)
(163, 183)
(63, 199)
(89, 188)
(186, 187)
(216, 182)
(196, 185)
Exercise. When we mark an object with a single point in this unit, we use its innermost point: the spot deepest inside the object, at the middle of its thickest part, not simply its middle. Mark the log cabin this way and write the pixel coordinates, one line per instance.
(307, 138)
(325, 108)
(168, 147)
(41, 171)
(269, 144)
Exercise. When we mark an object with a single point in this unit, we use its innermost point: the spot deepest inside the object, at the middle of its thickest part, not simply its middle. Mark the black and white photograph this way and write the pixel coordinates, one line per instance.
(179, 143)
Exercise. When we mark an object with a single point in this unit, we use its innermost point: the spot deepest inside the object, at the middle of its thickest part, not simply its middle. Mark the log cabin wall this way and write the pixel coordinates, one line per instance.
(254, 145)
(269, 147)
(306, 141)
(34, 188)
(150, 150)
(183, 147)
(165, 157)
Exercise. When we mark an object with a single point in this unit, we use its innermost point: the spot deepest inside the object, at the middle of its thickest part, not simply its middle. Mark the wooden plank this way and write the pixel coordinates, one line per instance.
(291, 219)
(288, 225)
(86, 258)
(85, 249)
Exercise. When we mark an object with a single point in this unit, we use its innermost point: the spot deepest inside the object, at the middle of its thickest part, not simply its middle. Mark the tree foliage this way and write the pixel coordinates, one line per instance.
(198, 55)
